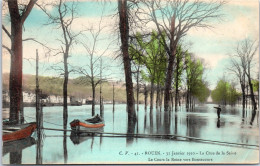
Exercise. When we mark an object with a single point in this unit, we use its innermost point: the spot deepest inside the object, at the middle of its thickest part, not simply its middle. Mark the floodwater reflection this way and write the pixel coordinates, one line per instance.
(130, 132)
(218, 123)
(253, 116)
(65, 151)
(82, 149)
(15, 148)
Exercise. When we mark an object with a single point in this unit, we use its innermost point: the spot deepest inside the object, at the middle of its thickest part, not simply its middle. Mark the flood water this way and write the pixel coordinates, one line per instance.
(58, 147)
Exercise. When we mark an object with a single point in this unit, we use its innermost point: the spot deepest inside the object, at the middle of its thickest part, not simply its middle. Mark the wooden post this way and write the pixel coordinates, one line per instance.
(37, 91)
(39, 114)
(113, 97)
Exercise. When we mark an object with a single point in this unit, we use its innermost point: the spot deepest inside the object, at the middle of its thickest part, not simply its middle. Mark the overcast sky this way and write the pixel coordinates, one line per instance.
(214, 45)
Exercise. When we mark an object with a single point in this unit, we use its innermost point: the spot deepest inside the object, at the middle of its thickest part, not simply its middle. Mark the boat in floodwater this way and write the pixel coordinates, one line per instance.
(94, 124)
(17, 132)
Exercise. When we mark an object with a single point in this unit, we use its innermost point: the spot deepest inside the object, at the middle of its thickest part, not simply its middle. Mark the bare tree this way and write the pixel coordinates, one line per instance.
(176, 18)
(243, 63)
(18, 15)
(63, 19)
(124, 34)
(93, 69)
(238, 69)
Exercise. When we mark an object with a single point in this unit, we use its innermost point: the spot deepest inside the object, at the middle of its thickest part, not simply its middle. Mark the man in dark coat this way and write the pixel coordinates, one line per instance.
(218, 110)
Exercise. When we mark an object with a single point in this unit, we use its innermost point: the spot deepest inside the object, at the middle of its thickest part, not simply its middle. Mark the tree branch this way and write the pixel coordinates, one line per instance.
(6, 31)
(28, 10)
(8, 49)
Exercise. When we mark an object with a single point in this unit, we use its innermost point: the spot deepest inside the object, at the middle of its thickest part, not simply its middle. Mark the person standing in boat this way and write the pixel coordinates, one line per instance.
(218, 111)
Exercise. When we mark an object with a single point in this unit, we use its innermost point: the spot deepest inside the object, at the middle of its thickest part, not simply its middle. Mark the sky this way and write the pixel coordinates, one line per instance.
(240, 21)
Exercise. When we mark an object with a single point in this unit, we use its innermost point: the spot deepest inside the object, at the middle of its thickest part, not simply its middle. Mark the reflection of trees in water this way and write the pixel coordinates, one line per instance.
(100, 140)
(39, 146)
(92, 142)
(167, 122)
(151, 122)
(244, 138)
(145, 121)
(113, 119)
(233, 111)
(15, 148)
(243, 115)
(40, 133)
(158, 122)
(194, 126)
(257, 119)
(130, 131)
(137, 127)
(176, 125)
(65, 151)
(249, 113)
(253, 116)
(162, 125)
(16, 157)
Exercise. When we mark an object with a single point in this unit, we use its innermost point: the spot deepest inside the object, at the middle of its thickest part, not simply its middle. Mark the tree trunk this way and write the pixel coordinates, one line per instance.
(101, 109)
(251, 92)
(187, 98)
(124, 33)
(93, 97)
(16, 72)
(246, 94)
(172, 101)
(161, 100)
(157, 97)
(168, 81)
(177, 84)
(145, 97)
(137, 89)
(16, 67)
(65, 90)
(176, 99)
(151, 96)
(190, 99)
(243, 96)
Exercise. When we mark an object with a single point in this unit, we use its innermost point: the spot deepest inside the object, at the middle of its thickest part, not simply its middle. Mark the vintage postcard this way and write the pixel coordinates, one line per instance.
(130, 82)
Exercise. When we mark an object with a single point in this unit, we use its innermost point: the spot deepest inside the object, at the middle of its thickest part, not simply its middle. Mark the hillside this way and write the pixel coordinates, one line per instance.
(79, 87)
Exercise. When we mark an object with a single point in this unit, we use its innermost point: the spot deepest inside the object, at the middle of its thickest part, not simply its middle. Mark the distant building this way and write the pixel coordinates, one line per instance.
(89, 100)
(29, 97)
(75, 101)
(54, 99)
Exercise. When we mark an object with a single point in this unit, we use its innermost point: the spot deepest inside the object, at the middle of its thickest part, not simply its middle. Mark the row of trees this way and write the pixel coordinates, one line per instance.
(147, 52)
(170, 19)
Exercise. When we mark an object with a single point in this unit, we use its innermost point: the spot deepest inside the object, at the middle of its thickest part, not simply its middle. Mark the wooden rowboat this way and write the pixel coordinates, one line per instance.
(84, 126)
(17, 132)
